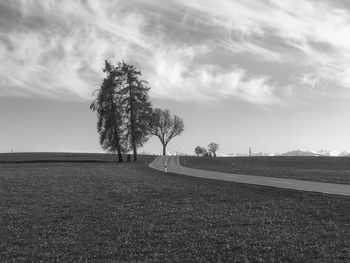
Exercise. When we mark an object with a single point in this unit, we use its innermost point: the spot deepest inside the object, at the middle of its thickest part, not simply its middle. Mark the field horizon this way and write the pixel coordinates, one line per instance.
(311, 168)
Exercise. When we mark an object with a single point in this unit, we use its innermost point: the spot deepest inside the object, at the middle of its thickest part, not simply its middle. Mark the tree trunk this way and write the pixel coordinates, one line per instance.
(135, 153)
(116, 133)
(120, 156)
(132, 123)
(164, 148)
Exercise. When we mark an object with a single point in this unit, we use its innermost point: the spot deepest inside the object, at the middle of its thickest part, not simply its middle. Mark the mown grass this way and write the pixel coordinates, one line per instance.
(108, 212)
(60, 157)
(323, 169)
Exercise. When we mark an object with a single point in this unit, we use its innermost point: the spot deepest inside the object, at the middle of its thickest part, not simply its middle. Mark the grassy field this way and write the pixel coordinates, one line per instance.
(110, 212)
(323, 169)
(58, 157)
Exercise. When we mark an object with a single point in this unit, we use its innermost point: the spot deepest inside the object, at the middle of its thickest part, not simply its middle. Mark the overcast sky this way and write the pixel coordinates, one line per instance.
(272, 75)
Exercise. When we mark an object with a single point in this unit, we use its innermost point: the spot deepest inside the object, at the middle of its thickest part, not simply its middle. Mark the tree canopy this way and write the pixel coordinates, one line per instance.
(123, 109)
(165, 126)
(198, 150)
(213, 147)
(137, 107)
(110, 116)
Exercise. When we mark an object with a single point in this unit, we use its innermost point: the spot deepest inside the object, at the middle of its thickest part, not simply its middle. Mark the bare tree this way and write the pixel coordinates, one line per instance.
(213, 147)
(165, 126)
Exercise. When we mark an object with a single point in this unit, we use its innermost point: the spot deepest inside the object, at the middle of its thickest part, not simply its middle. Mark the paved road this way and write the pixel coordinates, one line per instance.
(173, 166)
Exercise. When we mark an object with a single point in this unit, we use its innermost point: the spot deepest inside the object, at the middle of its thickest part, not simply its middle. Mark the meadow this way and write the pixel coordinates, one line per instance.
(322, 169)
(58, 157)
(84, 211)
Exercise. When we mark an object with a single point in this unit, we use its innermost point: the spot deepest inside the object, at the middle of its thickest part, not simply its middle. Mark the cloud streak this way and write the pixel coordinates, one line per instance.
(312, 34)
(204, 51)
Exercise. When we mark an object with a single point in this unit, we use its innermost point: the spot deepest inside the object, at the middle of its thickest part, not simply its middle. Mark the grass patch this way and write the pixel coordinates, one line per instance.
(108, 212)
(64, 157)
(322, 169)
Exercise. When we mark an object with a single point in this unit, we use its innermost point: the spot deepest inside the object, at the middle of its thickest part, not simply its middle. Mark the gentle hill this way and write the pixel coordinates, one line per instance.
(300, 153)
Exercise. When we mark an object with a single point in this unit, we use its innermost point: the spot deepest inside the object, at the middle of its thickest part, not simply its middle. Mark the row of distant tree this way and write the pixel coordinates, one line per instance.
(126, 118)
(211, 150)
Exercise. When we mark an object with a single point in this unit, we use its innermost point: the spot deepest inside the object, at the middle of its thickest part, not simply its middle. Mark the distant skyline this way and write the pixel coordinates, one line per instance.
(271, 75)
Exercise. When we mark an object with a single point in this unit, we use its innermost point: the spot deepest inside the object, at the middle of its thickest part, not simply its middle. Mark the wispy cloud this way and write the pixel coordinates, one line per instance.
(188, 50)
(310, 34)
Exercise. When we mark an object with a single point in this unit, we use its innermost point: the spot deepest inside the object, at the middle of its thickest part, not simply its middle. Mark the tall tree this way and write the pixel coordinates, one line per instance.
(213, 147)
(165, 126)
(107, 106)
(138, 106)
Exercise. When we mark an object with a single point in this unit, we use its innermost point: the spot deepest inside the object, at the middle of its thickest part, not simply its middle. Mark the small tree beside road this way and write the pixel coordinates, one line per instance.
(198, 150)
(213, 147)
(165, 126)
(201, 151)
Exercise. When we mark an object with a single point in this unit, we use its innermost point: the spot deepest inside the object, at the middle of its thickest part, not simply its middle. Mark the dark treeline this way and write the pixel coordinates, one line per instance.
(126, 118)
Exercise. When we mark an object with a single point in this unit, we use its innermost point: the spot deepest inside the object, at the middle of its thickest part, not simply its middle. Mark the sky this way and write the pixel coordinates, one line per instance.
(267, 74)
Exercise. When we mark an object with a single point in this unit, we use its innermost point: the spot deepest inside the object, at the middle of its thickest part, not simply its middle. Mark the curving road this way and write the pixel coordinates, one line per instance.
(173, 166)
